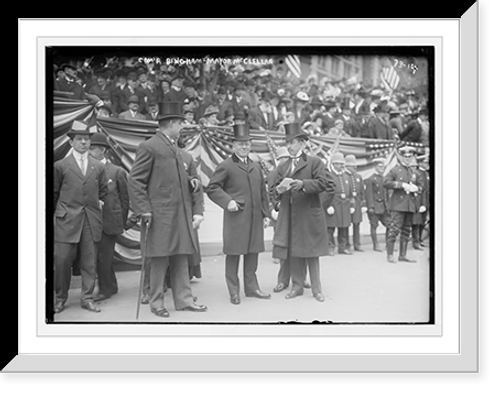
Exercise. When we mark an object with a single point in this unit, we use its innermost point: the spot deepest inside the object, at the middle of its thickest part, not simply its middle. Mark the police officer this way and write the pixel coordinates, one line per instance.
(403, 203)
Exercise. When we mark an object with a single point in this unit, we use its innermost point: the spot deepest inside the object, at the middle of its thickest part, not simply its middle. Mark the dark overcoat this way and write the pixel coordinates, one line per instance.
(116, 204)
(75, 196)
(358, 196)
(301, 219)
(159, 184)
(243, 230)
(375, 194)
(340, 198)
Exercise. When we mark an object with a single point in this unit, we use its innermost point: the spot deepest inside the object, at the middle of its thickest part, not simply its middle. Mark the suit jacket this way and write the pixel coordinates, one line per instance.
(301, 227)
(77, 196)
(128, 115)
(116, 203)
(412, 132)
(257, 119)
(400, 200)
(375, 194)
(64, 85)
(379, 129)
(243, 230)
(149, 116)
(159, 184)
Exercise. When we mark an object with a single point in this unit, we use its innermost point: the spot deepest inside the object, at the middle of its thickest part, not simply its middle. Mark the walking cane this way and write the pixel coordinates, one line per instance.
(143, 263)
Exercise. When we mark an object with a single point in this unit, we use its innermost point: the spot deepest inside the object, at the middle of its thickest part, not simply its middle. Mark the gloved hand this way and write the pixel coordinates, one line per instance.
(267, 222)
(232, 206)
(364, 209)
(412, 188)
(274, 214)
(197, 220)
(422, 209)
(352, 209)
(330, 210)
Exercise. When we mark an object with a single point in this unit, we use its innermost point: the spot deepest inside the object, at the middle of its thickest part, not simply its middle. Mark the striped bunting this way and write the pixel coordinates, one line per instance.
(293, 64)
(389, 77)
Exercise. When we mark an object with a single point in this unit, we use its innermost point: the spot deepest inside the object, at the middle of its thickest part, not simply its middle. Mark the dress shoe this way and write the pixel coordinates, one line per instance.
(235, 299)
(101, 297)
(90, 306)
(306, 285)
(145, 299)
(259, 294)
(376, 248)
(406, 259)
(59, 307)
(194, 308)
(319, 297)
(276, 261)
(358, 249)
(417, 246)
(160, 312)
(294, 293)
(331, 251)
(280, 287)
(345, 251)
(391, 259)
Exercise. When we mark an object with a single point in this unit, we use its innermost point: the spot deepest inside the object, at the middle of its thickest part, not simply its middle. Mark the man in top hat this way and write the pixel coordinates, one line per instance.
(338, 204)
(358, 197)
(403, 203)
(413, 131)
(378, 125)
(160, 191)
(238, 187)
(376, 202)
(80, 187)
(115, 213)
(300, 235)
(133, 110)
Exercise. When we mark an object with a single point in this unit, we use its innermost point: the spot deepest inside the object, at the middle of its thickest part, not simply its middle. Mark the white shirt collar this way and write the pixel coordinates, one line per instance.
(104, 161)
(79, 156)
(244, 160)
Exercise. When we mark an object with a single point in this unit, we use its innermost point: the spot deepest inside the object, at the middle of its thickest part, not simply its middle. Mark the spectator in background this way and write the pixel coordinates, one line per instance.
(261, 117)
(68, 83)
(103, 110)
(249, 94)
(239, 103)
(378, 125)
(413, 131)
(345, 116)
(188, 118)
(224, 106)
(133, 110)
(209, 117)
(329, 116)
(300, 107)
(395, 122)
(102, 88)
(150, 91)
(176, 92)
(117, 92)
(163, 90)
(337, 131)
(153, 109)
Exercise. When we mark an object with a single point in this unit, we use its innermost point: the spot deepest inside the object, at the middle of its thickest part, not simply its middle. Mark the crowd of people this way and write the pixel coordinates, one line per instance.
(265, 99)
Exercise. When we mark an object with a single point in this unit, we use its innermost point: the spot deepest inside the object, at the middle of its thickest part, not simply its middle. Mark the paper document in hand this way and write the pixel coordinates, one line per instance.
(285, 183)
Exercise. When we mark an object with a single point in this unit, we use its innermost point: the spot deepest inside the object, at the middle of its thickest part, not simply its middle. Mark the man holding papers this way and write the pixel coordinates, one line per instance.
(300, 236)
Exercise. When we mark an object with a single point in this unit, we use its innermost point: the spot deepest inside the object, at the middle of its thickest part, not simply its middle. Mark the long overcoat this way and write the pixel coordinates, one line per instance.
(400, 200)
(75, 196)
(375, 194)
(340, 198)
(243, 230)
(159, 184)
(301, 226)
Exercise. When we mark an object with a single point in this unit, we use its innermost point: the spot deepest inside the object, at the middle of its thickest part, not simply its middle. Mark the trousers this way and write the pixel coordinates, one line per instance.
(250, 283)
(65, 254)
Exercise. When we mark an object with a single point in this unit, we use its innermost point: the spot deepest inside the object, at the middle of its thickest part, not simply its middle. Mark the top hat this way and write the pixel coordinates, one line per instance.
(99, 139)
(79, 128)
(337, 157)
(170, 110)
(293, 130)
(241, 132)
(282, 152)
(350, 160)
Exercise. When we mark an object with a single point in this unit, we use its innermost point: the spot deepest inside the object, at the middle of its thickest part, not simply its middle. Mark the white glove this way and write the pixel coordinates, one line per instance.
(422, 209)
(274, 214)
(352, 209)
(364, 209)
(232, 206)
(197, 219)
(330, 210)
(406, 187)
(412, 188)
(267, 222)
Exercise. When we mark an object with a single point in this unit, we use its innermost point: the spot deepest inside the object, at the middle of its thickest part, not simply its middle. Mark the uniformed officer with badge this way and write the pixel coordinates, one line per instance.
(403, 203)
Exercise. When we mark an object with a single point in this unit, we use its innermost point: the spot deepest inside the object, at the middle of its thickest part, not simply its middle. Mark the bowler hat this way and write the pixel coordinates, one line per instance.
(170, 110)
(293, 130)
(99, 139)
(350, 160)
(241, 132)
(133, 99)
(78, 128)
(337, 157)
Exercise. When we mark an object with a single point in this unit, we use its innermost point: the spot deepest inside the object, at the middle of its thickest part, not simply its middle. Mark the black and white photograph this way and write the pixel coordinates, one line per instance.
(253, 196)
(240, 185)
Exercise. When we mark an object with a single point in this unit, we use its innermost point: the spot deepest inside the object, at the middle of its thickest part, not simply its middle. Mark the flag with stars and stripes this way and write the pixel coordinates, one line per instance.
(390, 78)
(293, 64)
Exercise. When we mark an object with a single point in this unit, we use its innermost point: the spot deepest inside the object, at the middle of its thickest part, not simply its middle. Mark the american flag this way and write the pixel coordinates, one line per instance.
(390, 77)
(293, 64)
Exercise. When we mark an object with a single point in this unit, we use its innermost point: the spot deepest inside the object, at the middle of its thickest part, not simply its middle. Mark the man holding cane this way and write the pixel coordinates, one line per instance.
(160, 192)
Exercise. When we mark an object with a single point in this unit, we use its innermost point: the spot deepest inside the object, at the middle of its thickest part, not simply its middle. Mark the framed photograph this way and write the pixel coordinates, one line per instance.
(380, 297)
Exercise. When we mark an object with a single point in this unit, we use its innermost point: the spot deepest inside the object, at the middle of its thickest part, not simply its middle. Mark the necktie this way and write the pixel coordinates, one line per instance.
(82, 165)
(293, 164)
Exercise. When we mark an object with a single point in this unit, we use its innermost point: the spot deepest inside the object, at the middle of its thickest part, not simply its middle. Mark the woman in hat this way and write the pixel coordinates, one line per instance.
(238, 187)
(80, 187)
(209, 117)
